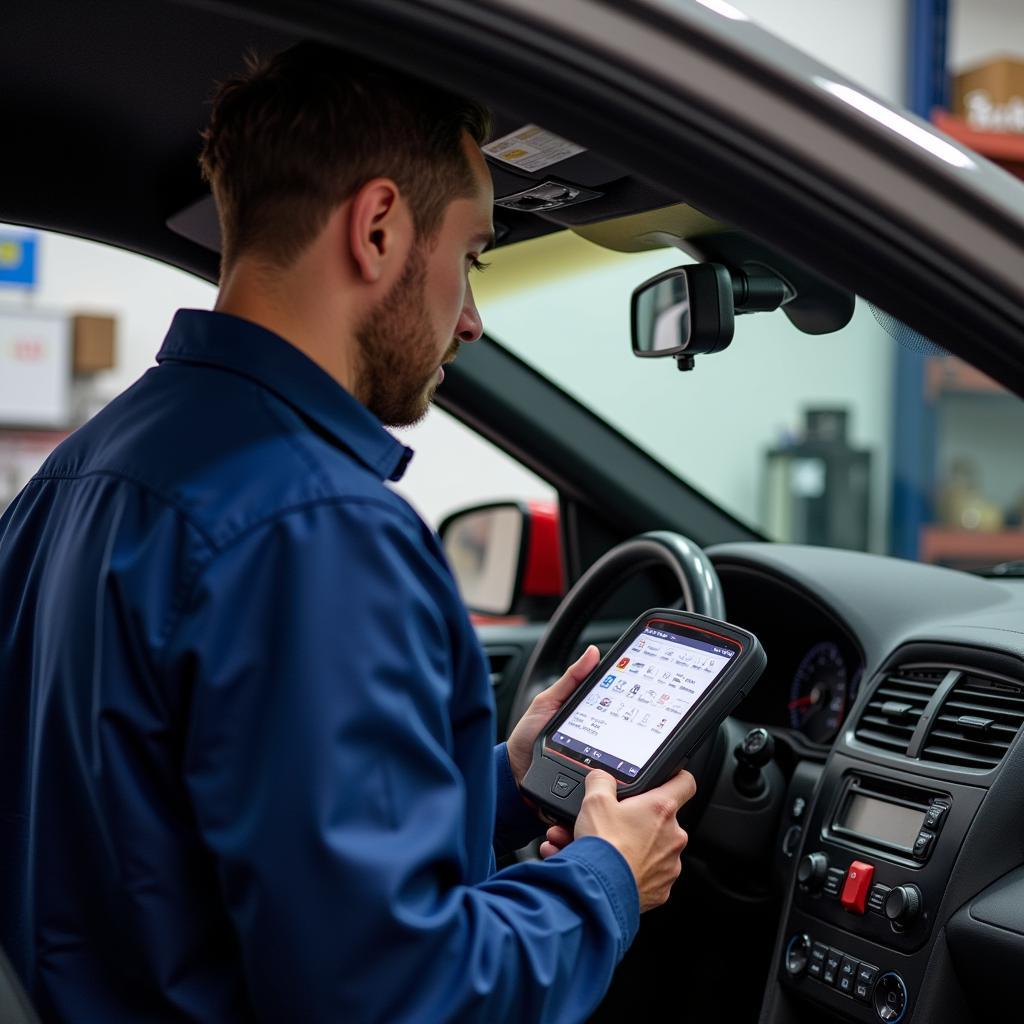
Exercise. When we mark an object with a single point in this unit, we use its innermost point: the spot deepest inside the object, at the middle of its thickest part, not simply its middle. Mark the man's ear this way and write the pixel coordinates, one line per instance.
(380, 230)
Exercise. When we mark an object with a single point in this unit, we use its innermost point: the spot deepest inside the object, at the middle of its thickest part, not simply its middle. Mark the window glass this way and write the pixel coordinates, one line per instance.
(791, 433)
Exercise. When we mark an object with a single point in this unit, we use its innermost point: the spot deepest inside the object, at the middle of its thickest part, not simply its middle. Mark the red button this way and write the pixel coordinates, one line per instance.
(856, 886)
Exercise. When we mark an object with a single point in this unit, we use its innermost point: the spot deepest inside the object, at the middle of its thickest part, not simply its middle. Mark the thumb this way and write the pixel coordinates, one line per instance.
(598, 781)
(574, 675)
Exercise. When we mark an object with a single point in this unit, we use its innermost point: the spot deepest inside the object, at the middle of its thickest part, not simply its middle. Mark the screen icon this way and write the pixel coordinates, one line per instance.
(632, 771)
(623, 662)
(607, 681)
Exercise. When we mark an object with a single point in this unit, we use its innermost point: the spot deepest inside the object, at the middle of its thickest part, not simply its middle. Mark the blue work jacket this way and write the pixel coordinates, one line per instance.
(247, 760)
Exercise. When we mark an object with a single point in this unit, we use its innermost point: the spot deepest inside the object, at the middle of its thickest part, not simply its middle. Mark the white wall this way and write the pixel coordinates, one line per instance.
(83, 277)
(982, 29)
(864, 39)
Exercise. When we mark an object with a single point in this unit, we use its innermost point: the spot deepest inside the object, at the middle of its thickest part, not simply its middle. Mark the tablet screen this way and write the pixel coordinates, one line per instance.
(635, 707)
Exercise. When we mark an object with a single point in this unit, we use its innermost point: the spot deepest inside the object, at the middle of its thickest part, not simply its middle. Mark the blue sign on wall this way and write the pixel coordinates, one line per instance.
(17, 260)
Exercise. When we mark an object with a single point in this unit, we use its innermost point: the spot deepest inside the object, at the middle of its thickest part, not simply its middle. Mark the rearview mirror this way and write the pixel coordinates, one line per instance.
(691, 310)
(683, 312)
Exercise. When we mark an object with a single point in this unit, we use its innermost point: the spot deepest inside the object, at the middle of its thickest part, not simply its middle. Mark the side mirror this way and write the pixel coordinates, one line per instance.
(506, 557)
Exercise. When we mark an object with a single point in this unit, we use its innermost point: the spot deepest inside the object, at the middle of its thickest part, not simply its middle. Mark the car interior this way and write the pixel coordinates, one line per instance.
(865, 860)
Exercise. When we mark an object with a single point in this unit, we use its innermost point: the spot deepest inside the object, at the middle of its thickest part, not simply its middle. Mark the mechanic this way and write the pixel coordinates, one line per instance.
(246, 727)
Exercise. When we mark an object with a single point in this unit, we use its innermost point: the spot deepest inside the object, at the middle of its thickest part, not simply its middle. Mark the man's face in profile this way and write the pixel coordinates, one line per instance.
(429, 312)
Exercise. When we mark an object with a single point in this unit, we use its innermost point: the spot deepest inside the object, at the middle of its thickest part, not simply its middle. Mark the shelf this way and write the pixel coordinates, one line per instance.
(1004, 148)
(949, 375)
(948, 546)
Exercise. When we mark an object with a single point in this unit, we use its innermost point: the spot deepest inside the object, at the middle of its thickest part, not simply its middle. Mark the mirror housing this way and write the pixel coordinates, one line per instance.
(686, 311)
(691, 310)
(506, 557)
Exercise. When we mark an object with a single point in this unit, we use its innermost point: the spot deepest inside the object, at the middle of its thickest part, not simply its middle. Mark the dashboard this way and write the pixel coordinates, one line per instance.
(815, 665)
(900, 846)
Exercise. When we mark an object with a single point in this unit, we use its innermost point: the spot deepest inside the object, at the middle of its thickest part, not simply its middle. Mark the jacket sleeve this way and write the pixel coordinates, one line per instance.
(516, 824)
(319, 762)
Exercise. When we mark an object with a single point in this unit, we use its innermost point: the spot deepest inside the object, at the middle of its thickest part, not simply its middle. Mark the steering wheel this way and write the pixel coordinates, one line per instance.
(698, 581)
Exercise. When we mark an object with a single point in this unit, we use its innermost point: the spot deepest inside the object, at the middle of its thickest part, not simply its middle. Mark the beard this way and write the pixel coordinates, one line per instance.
(398, 351)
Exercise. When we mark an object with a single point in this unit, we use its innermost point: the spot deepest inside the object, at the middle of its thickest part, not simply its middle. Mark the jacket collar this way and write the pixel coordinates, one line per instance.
(240, 346)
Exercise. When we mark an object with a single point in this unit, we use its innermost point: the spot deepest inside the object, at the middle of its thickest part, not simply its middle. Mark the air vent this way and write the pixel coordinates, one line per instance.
(895, 707)
(976, 723)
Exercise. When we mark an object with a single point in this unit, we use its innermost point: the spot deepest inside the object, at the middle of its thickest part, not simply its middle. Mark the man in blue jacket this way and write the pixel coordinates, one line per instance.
(246, 729)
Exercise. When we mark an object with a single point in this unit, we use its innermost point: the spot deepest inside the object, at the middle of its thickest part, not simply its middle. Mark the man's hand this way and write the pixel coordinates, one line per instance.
(544, 705)
(558, 838)
(642, 828)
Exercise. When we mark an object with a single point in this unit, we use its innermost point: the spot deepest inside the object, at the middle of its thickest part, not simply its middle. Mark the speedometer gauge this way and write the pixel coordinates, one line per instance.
(818, 695)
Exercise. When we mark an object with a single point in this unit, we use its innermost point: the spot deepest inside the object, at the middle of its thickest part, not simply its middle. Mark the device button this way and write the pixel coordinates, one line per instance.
(847, 975)
(564, 785)
(876, 900)
(890, 999)
(935, 816)
(833, 958)
(796, 811)
(923, 844)
(834, 881)
(858, 883)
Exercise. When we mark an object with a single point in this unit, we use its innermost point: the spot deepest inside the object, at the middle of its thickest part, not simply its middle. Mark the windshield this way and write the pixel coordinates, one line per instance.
(847, 439)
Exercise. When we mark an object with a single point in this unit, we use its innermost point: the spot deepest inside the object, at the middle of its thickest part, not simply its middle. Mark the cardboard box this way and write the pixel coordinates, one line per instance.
(990, 97)
(93, 343)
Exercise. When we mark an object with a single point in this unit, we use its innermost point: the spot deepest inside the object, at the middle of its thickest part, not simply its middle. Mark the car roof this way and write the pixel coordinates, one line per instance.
(106, 101)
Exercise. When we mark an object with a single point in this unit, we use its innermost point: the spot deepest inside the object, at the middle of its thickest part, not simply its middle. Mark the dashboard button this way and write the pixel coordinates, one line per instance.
(819, 951)
(923, 844)
(833, 958)
(858, 884)
(834, 881)
(876, 899)
(935, 816)
(847, 975)
(867, 973)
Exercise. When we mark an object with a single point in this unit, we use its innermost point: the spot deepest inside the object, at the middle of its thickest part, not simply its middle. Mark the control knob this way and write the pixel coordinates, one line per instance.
(903, 905)
(798, 950)
(812, 870)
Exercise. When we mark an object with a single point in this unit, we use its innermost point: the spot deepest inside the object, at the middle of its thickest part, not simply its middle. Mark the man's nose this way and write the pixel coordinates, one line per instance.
(470, 326)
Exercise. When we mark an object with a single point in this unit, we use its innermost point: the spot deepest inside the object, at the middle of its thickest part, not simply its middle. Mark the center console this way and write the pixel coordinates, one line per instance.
(878, 852)
(889, 815)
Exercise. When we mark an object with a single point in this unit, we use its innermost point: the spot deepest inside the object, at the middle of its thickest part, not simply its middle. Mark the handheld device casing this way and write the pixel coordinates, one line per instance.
(555, 780)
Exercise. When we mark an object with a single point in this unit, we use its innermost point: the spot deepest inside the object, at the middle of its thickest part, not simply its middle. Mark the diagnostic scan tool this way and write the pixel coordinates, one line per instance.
(665, 686)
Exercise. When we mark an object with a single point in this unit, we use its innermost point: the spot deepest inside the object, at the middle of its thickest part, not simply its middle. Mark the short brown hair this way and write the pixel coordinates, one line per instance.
(295, 136)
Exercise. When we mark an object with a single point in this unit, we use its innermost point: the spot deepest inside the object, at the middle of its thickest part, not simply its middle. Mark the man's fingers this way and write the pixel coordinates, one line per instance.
(676, 790)
(559, 835)
(574, 675)
(600, 782)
